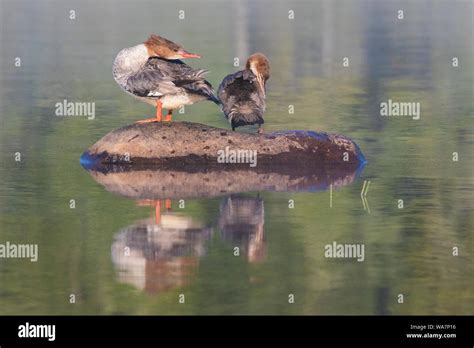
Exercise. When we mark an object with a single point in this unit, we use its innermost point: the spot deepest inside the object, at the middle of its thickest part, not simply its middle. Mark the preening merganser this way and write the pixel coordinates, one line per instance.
(242, 94)
(154, 73)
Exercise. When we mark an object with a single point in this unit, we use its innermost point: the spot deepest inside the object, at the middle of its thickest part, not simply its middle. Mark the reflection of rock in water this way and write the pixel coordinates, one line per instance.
(241, 223)
(198, 182)
(157, 258)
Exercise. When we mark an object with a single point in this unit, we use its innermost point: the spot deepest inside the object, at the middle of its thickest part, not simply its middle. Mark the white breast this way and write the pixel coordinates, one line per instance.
(176, 101)
(128, 62)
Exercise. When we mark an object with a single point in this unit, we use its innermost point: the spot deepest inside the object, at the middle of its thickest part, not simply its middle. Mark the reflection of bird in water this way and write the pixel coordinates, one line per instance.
(242, 94)
(157, 204)
(158, 257)
(152, 72)
(241, 222)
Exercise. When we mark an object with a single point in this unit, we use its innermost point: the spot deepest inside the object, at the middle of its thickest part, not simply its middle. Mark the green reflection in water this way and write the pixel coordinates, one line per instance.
(408, 251)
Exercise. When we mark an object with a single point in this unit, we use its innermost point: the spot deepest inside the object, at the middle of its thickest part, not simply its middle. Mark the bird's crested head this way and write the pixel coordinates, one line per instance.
(158, 46)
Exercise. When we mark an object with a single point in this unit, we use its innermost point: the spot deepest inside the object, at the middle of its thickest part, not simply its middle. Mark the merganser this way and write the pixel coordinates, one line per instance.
(242, 94)
(154, 73)
(241, 222)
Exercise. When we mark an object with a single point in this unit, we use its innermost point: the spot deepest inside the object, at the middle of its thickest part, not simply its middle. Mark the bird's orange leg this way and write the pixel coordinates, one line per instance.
(168, 204)
(169, 116)
(158, 114)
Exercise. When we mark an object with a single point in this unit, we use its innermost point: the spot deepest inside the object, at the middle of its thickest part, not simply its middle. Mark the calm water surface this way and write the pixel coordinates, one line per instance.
(190, 250)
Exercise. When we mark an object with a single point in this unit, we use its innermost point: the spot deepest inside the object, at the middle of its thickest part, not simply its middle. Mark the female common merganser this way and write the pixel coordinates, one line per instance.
(153, 73)
(242, 94)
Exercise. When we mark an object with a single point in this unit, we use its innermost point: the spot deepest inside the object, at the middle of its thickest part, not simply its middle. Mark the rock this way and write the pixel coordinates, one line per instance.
(183, 143)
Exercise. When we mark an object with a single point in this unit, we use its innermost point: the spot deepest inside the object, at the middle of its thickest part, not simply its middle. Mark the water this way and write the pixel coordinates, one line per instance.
(190, 251)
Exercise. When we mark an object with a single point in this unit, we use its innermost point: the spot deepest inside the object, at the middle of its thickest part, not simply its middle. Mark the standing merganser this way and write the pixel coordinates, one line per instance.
(242, 94)
(153, 73)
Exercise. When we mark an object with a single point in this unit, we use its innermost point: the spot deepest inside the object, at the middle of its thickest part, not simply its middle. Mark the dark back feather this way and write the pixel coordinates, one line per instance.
(242, 102)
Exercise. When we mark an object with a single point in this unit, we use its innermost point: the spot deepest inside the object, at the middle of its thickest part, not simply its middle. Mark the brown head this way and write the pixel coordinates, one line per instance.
(259, 65)
(160, 47)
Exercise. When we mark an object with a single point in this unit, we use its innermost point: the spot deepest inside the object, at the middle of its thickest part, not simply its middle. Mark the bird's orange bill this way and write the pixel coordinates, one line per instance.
(186, 54)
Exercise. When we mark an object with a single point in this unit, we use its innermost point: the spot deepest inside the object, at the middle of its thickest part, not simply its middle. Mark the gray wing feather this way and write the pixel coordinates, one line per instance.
(159, 77)
(150, 83)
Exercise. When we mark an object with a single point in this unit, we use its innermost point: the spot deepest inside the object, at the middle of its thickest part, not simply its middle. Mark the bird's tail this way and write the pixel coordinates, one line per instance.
(206, 87)
(245, 113)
